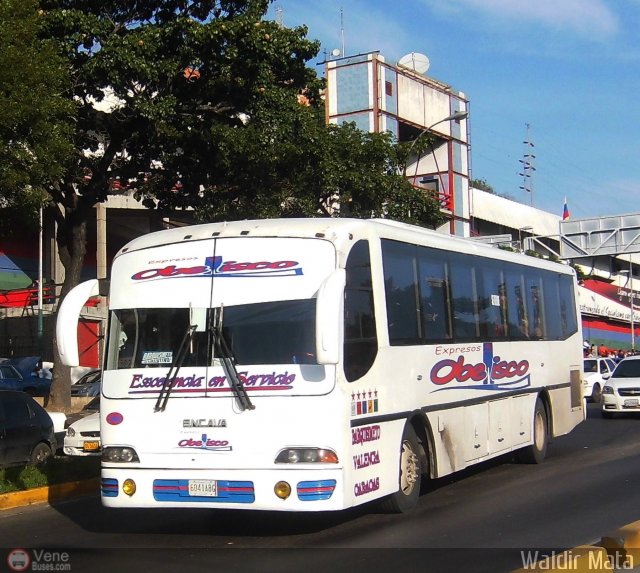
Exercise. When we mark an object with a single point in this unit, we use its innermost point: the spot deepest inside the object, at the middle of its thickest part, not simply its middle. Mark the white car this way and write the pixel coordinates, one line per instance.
(596, 373)
(621, 392)
(59, 421)
(83, 437)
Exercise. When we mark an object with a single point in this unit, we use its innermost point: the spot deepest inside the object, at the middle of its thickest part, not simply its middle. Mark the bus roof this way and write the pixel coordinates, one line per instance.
(332, 229)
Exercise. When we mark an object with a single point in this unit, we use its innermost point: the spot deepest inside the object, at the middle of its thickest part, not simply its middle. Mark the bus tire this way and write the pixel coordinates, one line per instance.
(410, 475)
(537, 451)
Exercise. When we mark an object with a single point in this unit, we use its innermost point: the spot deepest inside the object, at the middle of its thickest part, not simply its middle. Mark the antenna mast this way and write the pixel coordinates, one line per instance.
(527, 166)
(342, 30)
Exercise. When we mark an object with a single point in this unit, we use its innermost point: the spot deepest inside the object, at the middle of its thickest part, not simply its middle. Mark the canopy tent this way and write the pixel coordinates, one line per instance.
(11, 276)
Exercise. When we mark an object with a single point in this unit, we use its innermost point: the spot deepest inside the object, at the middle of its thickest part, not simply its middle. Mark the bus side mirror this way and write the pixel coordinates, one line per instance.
(329, 317)
(68, 317)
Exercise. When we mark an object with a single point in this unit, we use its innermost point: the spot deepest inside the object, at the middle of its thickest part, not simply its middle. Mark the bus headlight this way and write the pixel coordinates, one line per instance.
(119, 454)
(306, 456)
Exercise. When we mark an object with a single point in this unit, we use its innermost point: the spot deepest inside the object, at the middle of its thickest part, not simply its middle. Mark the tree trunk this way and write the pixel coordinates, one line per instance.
(71, 239)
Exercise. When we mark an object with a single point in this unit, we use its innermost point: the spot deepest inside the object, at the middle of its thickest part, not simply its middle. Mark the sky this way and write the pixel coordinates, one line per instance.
(561, 74)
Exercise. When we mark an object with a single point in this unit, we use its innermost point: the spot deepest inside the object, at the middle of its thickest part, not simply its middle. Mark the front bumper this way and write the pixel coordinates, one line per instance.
(311, 489)
(616, 403)
(78, 447)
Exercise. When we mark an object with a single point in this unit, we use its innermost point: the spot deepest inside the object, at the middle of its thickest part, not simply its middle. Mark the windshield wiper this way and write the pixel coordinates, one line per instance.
(176, 364)
(229, 363)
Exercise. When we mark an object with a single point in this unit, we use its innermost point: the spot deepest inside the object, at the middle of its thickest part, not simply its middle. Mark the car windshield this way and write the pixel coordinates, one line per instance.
(627, 369)
(280, 332)
(89, 378)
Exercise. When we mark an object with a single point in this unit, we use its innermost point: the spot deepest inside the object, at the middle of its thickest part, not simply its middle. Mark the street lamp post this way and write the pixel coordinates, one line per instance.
(455, 116)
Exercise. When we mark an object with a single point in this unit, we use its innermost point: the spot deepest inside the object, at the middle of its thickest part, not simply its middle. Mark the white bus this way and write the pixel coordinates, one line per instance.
(317, 364)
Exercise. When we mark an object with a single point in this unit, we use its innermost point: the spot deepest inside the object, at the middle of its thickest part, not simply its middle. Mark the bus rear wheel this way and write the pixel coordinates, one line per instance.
(537, 451)
(410, 475)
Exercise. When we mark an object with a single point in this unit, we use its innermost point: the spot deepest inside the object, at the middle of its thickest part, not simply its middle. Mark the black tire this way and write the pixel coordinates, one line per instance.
(41, 454)
(537, 451)
(596, 393)
(607, 415)
(410, 475)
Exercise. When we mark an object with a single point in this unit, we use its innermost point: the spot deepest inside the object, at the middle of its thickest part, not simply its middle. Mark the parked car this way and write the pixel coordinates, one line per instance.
(23, 374)
(621, 392)
(90, 407)
(87, 385)
(83, 437)
(59, 420)
(26, 430)
(596, 373)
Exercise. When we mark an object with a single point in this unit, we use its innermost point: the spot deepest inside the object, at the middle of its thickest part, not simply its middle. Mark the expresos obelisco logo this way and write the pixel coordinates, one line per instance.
(216, 266)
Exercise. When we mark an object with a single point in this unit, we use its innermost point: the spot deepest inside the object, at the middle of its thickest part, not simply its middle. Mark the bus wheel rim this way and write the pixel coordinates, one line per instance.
(539, 431)
(409, 466)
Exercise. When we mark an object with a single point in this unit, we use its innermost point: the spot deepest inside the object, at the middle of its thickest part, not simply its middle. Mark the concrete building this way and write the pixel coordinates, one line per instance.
(378, 97)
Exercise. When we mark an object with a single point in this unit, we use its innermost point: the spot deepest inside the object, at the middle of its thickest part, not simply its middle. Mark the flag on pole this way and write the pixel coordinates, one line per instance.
(565, 211)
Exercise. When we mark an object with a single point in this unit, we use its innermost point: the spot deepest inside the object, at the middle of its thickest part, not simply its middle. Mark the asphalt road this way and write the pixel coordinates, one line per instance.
(478, 521)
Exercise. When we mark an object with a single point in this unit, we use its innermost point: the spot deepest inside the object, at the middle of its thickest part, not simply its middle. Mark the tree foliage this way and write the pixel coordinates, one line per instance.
(35, 116)
(482, 185)
(203, 104)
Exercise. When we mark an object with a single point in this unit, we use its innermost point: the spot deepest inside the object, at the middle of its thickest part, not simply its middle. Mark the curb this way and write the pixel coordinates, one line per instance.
(48, 494)
(617, 551)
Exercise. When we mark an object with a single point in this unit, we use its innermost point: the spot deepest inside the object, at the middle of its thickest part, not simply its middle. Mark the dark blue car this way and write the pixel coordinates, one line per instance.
(22, 374)
(27, 434)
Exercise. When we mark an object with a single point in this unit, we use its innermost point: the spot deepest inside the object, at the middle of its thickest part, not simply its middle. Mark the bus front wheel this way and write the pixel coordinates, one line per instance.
(537, 451)
(406, 498)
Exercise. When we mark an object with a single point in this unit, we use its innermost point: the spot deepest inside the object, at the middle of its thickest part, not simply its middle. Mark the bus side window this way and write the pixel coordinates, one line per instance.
(568, 317)
(464, 296)
(536, 324)
(517, 311)
(360, 336)
(401, 292)
(492, 303)
(435, 307)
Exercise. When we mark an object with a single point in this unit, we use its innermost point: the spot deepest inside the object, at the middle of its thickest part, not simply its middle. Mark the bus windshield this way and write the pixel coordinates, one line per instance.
(281, 332)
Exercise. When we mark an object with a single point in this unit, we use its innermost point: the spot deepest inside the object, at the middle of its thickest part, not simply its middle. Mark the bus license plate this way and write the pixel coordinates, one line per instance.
(91, 446)
(203, 487)
(631, 403)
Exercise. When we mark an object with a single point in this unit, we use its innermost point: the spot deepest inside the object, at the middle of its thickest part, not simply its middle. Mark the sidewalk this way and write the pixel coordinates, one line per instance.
(49, 494)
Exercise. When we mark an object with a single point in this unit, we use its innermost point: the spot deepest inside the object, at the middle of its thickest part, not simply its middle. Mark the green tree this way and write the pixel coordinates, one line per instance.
(35, 116)
(482, 185)
(287, 162)
(197, 104)
(153, 81)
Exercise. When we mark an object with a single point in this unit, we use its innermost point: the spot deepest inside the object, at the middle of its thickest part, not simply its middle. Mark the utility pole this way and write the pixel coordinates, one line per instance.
(527, 166)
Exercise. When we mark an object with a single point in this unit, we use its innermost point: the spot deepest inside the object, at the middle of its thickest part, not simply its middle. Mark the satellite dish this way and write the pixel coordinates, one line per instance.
(415, 61)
